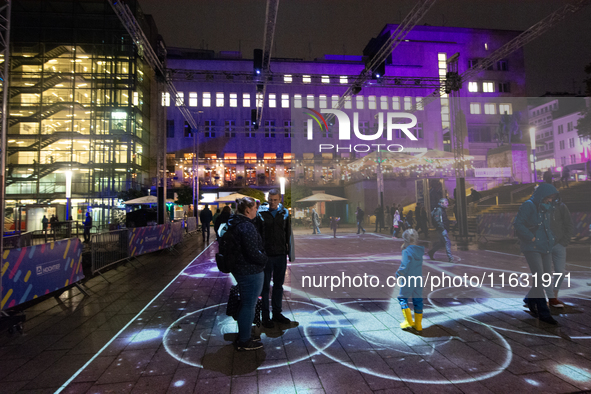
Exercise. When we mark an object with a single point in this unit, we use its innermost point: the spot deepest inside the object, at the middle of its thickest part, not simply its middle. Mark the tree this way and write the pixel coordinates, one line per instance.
(184, 196)
(254, 193)
(584, 122)
(297, 193)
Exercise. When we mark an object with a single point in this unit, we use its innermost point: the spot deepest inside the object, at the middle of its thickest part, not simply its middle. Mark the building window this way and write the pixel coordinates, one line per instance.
(287, 78)
(210, 128)
(170, 128)
(396, 103)
(384, 102)
(419, 102)
(297, 101)
(488, 87)
(248, 129)
(259, 99)
(371, 102)
(359, 102)
(504, 87)
(561, 145)
(473, 87)
(233, 100)
(569, 126)
(287, 128)
(417, 131)
(188, 130)
(270, 128)
(272, 100)
(165, 102)
(502, 65)
(219, 99)
(348, 102)
(505, 109)
(490, 108)
(551, 145)
(407, 103)
(563, 161)
(230, 128)
(192, 99)
(343, 79)
(325, 79)
(306, 79)
(472, 63)
(322, 101)
(475, 108)
(180, 99)
(246, 100)
(284, 100)
(310, 101)
(571, 142)
(335, 100)
(206, 99)
(573, 159)
(560, 129)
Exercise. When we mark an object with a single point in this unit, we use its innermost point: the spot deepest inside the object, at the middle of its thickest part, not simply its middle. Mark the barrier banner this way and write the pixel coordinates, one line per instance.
(177, 233)
(581, 222)
(191, 224)
(33, 271)
(499, 224)
(149, 239)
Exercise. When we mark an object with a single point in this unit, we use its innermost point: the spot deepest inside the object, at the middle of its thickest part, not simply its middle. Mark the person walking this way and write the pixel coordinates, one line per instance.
(379, 213)
(563, 229)
(205, 217)
(359, 214)
(87, 227)
(411, 268)
(441, 223)
(248, 269)
(217, 213)
(334, 224)
(396, 224)
(274, 225)
(547, 177)
(565, 176)
(315, 222)
(533, 228)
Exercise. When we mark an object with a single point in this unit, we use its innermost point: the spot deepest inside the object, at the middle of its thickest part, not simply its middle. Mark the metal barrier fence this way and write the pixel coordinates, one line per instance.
(17, 241)
(108, 248)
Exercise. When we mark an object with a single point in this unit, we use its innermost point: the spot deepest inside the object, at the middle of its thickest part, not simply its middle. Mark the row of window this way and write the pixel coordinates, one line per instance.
(573, 160)
(491, 108)
(569, 127)
(283, 100)
(571, 143)
(548, 108)
(489, 87)
(502, 65)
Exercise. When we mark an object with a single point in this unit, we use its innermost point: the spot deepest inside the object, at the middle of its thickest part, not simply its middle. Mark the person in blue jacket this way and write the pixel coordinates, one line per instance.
(411, 285)
(533, 228)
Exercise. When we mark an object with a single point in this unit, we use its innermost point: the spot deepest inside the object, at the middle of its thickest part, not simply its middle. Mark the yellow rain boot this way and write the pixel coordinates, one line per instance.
(407, 323)
(418, 321)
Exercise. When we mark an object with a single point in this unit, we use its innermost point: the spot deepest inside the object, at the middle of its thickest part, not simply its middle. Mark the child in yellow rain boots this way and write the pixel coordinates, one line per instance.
(409, 278)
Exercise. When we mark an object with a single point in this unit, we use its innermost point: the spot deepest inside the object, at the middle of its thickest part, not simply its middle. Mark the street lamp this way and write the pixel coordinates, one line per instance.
(532, 140)
(68, 193)
(282, 187)
(196, 165)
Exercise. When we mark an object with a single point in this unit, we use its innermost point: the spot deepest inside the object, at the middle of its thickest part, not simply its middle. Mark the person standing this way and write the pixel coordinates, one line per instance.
(222, 218)
(565, 176)
(315, 222)
(87, 227)
(334, 224)
(359, 214)
(205, 217)
(44, 223)
(562, 227)
(441, 223)
(396, 224)
(217, 213)
(411, 267)
(547, 177)
(249, 268)
(274, 225)
(379, 212)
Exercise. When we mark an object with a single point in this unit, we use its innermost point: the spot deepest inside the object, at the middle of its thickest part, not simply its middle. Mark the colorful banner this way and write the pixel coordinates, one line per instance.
(33, 271)
(581, 222)
(501, 224)
(177, 232)
(149, 239)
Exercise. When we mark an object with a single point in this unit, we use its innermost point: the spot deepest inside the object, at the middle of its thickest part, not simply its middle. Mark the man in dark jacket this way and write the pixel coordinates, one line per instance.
(359, 214)
(205, 217)
(274, 225)
(562, 227)
(441, 223)
(87, 227)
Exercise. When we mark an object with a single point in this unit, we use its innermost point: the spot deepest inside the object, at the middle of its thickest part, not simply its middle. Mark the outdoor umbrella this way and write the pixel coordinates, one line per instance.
(144, 200)
(230, 198)
(321, 197)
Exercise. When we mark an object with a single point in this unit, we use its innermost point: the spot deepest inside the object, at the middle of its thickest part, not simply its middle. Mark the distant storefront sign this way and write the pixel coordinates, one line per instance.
(502, 172)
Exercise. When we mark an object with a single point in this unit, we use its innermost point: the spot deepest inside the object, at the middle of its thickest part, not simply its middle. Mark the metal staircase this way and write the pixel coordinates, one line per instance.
(43, 85)
(52, 54)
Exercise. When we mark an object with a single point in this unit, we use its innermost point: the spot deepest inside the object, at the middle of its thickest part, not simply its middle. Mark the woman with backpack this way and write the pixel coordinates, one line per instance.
(248, 267)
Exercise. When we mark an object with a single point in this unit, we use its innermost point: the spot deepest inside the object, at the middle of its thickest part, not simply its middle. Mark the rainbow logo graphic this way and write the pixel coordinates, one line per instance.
(318, 118)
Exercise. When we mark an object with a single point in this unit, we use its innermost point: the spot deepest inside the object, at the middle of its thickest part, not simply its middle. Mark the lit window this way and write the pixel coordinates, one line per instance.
(407, 103)
(192, 99)
(285, 100)
(371, 102)
(475, 108)
(442, 72)
(306, 79)
(246, 100)
(488, 87)
(442, 64)
(297, 101)
(506, 109)
(287, 78)
(343, 79)
(384, 102)
(473, 87)
(396, 103)
(206, 99)
(180, 99)
(348, 102)
(136, 99)
(419, 101)
(272, 100)
(325, 79)
(310, 101)
(441, 57)
(233, 100)
(490, 108)
(322, 101)
(259, 99)
(219, 99)
(335, 100)
(165, 99)
(359, 102)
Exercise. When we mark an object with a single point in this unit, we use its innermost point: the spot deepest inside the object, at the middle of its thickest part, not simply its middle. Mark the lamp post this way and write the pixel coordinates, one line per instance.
(68, 193)
(282, 187)
(196, 166)
(532, 140)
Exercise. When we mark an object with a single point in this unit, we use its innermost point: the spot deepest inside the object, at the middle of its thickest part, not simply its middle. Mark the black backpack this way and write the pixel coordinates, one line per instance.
(228, 251)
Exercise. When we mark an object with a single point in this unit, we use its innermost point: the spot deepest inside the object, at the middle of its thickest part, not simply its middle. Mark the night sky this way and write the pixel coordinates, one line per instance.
(308, 29)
